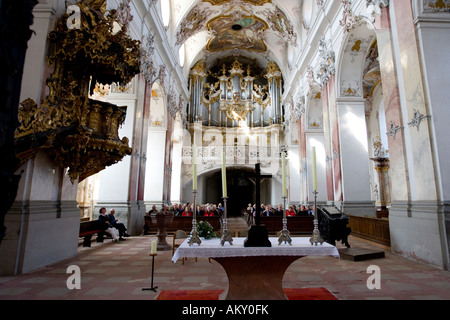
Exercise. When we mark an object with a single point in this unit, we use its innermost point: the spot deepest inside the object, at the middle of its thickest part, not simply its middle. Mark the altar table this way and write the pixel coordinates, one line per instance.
(254, 273)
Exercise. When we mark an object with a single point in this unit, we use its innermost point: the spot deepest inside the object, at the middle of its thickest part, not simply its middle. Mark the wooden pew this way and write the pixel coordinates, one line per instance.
(89, 228)
(295, 225)
(180, 223)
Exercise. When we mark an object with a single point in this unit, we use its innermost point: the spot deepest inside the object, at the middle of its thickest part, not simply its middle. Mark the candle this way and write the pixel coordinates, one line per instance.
(224, 176)
(153, 250)
(283, 167)
(194, 167)
(314, 168)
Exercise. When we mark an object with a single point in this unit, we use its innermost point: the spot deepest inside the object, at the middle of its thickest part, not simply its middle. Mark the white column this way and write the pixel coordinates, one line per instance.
(316, 140)
(294, 187)
(175, 192)
(115, 179)
(154, 172)
(354, 157)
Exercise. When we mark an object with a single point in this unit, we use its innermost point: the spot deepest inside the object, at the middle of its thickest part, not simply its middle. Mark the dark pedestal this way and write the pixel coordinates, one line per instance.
(257, 237)
(255, 277)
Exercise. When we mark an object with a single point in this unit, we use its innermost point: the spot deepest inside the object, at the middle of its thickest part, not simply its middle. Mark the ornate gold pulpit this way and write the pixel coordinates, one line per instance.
(77, 132)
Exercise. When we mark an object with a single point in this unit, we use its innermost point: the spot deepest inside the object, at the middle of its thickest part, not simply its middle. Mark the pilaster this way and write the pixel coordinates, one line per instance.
(354, 156)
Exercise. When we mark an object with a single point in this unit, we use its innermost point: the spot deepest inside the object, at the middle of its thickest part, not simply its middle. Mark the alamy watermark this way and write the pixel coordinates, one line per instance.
(374, 280)
(74, 20)
(74, 280)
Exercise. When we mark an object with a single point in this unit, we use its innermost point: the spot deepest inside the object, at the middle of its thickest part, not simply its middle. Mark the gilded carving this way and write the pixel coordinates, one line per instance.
(95, 117)
(436, 6)
(357, 46)
(78, 132)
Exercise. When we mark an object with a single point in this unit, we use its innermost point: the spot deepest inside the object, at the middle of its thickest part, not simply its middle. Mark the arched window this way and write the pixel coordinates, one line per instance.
(165, 12)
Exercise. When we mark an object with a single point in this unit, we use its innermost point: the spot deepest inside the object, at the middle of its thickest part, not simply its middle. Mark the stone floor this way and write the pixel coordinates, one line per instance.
(121, 270)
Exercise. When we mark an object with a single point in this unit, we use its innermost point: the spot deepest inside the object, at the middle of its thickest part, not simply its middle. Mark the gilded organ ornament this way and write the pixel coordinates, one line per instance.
(233, 95)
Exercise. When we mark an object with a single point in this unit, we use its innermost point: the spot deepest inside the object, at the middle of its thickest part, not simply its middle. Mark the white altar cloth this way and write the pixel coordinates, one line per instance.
(212, 248)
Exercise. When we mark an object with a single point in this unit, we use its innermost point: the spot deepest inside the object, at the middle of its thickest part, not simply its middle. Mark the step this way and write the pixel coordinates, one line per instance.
(360, 254)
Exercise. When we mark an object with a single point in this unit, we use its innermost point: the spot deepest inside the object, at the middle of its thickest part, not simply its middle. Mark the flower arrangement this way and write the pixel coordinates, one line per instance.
(205, 230)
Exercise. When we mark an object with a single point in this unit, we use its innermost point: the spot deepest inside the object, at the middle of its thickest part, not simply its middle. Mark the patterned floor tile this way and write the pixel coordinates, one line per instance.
(121, 270)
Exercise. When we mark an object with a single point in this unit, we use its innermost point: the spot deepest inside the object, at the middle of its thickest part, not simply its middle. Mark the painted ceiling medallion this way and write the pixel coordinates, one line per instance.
(236, 33)
(253, 2)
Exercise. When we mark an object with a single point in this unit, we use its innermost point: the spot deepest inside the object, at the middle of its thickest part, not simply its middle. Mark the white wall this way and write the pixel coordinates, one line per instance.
(294, 182)
(154, 172)
(316, 140)
(115, 179)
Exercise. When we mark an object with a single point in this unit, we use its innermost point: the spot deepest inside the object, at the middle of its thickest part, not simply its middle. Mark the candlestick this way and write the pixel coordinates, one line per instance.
(314, 168)
(153, 255)
(284, 236)
(224, 175)
(194, 238)
(226, 236)
(316, 237)
(194, 167)
(283, 167)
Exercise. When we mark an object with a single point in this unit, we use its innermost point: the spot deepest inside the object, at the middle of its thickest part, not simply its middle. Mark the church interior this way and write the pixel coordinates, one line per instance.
(133, 105)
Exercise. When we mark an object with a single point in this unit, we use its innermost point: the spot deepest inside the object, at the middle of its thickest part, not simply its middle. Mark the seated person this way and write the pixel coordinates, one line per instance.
(153, 210)
(209, 212)
(279, 210)
(187, 212)
(175, 209)
(302, 211)
(290, 212)
(309, 210)
(271, 209)
(113, 222)
(112, 231)
(267, 212)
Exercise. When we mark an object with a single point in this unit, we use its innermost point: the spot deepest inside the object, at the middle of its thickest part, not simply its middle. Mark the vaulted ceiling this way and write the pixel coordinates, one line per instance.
(260, 30)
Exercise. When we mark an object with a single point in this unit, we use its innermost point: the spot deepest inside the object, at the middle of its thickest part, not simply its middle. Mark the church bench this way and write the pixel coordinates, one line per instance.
(180, 223)
(295, 225)
(89, 228)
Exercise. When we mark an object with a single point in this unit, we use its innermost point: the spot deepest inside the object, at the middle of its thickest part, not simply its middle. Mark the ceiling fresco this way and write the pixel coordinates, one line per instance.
(254, 2)
(259, 29)
(242, 32)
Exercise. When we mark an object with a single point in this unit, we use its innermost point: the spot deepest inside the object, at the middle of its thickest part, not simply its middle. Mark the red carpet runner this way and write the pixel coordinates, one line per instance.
(291, 293)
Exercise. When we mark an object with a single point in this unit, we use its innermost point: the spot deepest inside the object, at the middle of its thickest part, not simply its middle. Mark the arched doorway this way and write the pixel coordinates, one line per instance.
(240, 189)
